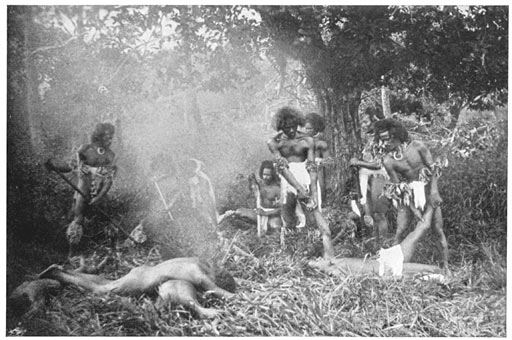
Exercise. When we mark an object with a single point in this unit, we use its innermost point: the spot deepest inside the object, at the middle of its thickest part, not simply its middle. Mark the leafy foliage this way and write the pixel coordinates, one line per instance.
(182, 80)
(457, 54)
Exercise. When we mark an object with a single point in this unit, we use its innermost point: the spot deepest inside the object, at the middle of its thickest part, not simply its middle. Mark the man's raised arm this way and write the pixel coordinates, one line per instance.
(281, 164)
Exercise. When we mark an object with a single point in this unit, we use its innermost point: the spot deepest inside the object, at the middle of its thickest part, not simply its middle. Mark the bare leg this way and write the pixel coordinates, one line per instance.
(326, 234)
(75, 228)
(378, 207)
(301, 217)
(403, 218)
(408, 245)
(288, 211)
(208, 285)
(246, 213)
(275, 222)
(438, 227)
(183, 293)
(380, 227)
(363, 184)
(93, 283)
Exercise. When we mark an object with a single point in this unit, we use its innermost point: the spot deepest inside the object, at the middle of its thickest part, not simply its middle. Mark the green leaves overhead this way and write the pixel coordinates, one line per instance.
(342, 47)
(458, 53)
(208, 47)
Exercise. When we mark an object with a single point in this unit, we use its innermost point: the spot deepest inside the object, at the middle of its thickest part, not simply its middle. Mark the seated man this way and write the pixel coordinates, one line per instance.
(268, 192)
(95, 164)
(175, 280)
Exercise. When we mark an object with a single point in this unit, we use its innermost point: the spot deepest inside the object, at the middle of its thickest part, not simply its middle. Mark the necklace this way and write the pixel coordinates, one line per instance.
(399, 154)
(100, 150)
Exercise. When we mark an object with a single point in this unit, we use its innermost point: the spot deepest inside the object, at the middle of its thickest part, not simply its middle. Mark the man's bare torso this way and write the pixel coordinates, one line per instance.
(294, 150)
(91, 156)
(409, 166)
(270, 195)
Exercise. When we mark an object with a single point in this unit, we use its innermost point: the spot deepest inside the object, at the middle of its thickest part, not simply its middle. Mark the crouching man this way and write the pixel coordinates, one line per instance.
(267, 213)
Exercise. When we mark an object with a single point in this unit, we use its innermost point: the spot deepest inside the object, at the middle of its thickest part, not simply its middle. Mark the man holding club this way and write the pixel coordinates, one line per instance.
(95, 165)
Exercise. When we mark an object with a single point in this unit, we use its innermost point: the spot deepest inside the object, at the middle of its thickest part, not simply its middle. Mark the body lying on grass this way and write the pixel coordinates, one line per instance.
(394, 261)
(175, 280)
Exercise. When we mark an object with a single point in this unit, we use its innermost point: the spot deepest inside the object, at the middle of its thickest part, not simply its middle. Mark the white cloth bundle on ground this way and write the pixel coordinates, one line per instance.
(391, 261)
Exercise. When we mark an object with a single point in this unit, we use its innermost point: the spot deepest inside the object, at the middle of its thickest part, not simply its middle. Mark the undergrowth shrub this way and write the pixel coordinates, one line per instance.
(474, 186)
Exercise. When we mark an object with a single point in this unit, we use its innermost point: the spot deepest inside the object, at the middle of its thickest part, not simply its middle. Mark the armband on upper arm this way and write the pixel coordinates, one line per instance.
(280, 164)
(437, 169)
(426, 173)
(311, 166)
(378, 162)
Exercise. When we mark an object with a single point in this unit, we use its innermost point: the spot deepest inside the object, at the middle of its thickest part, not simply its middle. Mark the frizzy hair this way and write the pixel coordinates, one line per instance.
(267, 164)
(316, 121)
(287, 113)
(396, 129)
(100, 130)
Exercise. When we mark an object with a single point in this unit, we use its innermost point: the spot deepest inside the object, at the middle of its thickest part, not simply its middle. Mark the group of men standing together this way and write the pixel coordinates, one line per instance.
(398, 169)
(293, 182)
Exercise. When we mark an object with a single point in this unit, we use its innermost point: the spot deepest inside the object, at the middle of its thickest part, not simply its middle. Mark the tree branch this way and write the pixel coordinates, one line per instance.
(46, 48)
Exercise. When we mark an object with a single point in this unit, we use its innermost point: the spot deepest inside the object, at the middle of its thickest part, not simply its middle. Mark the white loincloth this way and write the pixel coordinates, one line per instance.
(99, 175)
(318, 161)
(364, 177)
(418, 192)
(263, 220)
(301, 175)
(319, 198)
(391, 261)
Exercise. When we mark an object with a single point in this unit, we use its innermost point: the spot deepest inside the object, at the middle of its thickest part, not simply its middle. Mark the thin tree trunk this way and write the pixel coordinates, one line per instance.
(194, 112)
(455, 110)
(386, 107)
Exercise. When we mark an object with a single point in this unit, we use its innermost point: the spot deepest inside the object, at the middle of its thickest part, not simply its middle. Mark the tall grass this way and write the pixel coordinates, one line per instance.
(279, 295)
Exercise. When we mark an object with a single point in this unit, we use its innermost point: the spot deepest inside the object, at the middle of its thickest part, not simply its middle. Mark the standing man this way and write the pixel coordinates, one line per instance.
(411, 169)
(372, 180)
(294, 157)
(95, 165)
(315, 127)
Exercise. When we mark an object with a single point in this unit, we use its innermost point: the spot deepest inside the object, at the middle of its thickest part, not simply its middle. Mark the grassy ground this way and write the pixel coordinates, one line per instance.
(279, 295)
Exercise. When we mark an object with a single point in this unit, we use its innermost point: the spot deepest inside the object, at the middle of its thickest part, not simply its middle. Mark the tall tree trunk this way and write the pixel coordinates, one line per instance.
(344, 127)
(21, 160)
